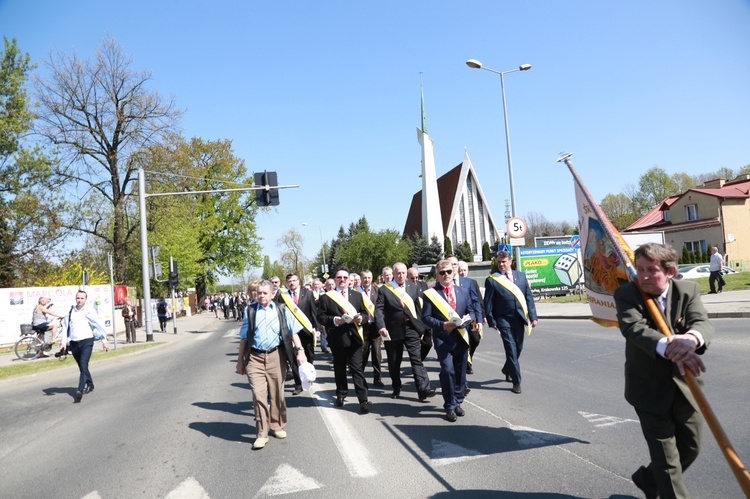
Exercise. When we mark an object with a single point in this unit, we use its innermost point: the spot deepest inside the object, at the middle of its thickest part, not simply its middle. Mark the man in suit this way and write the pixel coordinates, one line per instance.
(342, 312)
(295, 296)
(444, 307)
(399, 314)
(475, 335)
(372, 337)
(412, 275)
(510, 309)
(655, 365)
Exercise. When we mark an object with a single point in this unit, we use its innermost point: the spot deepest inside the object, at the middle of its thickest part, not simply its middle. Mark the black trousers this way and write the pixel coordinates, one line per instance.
(395, 351)
(426, 344)
(350, 357)
(372, 349)
(474, 339)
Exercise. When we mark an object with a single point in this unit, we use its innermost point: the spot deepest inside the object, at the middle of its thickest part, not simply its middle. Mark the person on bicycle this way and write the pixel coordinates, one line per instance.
(40, 318)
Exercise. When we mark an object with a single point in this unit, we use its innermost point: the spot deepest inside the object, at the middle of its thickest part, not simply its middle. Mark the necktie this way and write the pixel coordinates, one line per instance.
(451, 297)
(296, 298)
(509, 276)
(343, 293)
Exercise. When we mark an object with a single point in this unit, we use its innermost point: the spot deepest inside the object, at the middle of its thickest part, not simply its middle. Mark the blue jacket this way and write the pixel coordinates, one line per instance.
(502, 306)
(434, 319)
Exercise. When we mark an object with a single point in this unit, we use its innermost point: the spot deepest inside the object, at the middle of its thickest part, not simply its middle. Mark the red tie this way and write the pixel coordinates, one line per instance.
(508, 276)
(451, 297)
(296, 298)
(343, 293)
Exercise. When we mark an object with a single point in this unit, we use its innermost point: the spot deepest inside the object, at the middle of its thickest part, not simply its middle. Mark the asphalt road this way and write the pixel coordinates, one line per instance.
(176, 421)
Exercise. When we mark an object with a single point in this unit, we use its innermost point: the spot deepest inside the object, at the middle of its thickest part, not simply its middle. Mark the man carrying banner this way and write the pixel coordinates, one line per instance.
(342, 312)
(447, 310)
(655, 365)
(509, 307)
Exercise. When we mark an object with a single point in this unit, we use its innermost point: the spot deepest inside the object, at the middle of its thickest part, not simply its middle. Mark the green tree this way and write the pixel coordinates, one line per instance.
(447, 246)
(653, 187)
(292, 258)
(100, 114)
(435, 251)
(29, 223)
(464, 253)
(486, 252)
(420, 249)
(619, 209)
(373, 250)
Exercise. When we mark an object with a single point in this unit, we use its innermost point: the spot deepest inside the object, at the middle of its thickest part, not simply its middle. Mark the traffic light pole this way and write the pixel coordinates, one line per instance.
(148, 317)
(172, 284)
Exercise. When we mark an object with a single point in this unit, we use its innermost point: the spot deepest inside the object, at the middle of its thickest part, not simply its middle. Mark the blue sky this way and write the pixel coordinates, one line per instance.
(327, 93)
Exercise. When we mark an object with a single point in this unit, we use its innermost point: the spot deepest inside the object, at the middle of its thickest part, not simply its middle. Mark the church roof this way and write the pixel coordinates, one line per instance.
(447, 185)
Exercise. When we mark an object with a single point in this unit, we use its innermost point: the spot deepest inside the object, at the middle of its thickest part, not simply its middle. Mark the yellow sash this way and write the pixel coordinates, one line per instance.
(347, 307)
(298, 314)
(445, 309)
(504, 282)
(369, 305)
(404, 297)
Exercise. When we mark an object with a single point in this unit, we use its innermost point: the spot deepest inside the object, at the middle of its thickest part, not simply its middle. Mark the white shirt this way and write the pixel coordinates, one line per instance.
(716, 262)
(83, 322)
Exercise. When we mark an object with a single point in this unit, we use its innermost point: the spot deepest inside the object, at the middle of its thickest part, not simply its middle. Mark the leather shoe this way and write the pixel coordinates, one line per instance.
(88, 388)
(516, 388)
(364, 407)
(378, 383)
(640, 479)
(79, 395)
(396, 394)
(425, 395)
(260, 442)
(450, 416)
(339, 402)
(460, 412)
(297, 390)
(469, 369)
(467, 391)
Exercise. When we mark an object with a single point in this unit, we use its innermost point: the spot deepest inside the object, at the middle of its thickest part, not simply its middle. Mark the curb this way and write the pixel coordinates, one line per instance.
(711, 315)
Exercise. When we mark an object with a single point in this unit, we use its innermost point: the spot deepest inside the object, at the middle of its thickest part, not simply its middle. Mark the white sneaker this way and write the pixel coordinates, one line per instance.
(260, 442)
(279, 434)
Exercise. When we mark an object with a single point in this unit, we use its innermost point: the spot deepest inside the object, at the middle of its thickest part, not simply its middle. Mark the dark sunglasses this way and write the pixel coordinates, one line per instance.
(444, 272)
(342, 277)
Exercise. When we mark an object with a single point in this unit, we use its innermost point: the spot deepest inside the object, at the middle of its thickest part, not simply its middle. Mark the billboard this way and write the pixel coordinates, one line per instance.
(551, 269)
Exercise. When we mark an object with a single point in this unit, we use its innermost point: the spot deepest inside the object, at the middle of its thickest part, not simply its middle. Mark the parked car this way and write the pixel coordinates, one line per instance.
(698, 271)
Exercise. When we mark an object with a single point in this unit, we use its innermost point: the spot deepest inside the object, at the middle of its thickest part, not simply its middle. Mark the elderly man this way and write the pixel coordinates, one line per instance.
(372, 337)
(342, 312)
(655, 365)
(268, 337)
(510, 309)
(398, 315)
(447, 310)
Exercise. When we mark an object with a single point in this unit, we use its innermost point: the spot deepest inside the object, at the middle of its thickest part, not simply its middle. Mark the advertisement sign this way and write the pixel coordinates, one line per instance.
(556, 268)
(17, 306)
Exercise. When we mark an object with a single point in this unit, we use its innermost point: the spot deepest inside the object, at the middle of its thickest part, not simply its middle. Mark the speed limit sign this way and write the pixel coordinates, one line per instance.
(516, 227)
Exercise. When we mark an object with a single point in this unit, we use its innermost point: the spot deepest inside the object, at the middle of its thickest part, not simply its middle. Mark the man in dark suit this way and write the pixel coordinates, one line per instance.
(398, 314)
(372, 337)
(444, 306)
(475, 335)
(510, 309)
(342, 312)
(655, 365)
(412, 275)
(295, 296)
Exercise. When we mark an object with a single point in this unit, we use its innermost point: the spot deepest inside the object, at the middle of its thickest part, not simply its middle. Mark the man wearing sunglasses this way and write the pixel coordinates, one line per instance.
(342, 312)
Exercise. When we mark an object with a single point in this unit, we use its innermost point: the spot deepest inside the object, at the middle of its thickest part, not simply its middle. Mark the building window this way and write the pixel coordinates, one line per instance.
(483, 232)
(691, 212)
(667, 218)
(462, 214)
(697, 246)
(472, 221)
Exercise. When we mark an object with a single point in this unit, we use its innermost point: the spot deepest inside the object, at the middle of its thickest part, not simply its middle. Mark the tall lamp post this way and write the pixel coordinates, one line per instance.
(322, 246)
(473, 63)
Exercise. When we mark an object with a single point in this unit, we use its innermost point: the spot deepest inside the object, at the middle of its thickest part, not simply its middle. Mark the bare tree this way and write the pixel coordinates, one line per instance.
(292, 258)
(99, 114)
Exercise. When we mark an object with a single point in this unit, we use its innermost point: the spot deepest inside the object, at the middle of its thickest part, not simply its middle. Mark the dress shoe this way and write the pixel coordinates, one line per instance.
(450, 416)
(460, 412)
(508, 379)
(339, 402)
(469, 369)
(641, 480)
(364, 407)
(88, 388)
(516, 388)
(425, 395)
(260, 442)
(467, 391)
(60, 353)
(289, 375)
(279, 434)
(79, 395)
(396, 394)
(297, 390)
(378, 383)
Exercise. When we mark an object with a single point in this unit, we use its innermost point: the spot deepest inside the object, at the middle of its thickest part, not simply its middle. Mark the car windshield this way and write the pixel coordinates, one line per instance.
(682, 270)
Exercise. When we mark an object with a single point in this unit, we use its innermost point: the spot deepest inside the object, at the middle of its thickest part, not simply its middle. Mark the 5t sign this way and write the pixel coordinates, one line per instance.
(516, 227)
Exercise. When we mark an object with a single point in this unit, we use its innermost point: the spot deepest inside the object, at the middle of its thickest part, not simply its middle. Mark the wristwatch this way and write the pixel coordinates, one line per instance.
(299, 349)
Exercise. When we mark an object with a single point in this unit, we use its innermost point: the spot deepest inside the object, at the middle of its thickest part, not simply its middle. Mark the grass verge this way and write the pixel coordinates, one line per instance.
(20, 368)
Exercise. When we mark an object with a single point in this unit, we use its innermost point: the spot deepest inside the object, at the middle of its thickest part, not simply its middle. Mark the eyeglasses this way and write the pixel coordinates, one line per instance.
(342, 277)
(445, 272)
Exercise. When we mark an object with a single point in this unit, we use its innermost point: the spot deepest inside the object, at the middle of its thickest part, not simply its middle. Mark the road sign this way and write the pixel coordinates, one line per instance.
(575, 242)
(516, 227)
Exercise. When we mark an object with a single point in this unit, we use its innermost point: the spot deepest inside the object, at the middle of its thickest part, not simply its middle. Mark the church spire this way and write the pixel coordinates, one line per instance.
(424, 115)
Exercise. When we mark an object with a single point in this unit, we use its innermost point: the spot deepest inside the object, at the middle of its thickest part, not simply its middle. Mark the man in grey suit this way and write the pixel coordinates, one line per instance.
(655, 365)
(510, 309)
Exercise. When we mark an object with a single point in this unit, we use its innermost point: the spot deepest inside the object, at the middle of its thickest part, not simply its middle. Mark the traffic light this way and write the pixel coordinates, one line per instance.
(267, 196)
(173, 277)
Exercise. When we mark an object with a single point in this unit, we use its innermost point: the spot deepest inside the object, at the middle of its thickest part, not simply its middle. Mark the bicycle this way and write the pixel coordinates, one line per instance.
(31, 345)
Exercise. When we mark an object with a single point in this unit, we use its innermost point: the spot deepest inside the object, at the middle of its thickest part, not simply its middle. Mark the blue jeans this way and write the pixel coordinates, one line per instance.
(81, 351)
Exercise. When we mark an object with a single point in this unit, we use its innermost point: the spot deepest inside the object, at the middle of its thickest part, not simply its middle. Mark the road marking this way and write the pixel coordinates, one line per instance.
(201, 336)
(287, 480)
(449, 453)
(353, 451)
(189, 489)
(601, 420)
(92, 495)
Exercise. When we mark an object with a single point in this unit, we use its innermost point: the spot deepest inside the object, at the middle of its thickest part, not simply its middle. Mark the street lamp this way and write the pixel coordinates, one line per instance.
(473, 63)
(322, 246)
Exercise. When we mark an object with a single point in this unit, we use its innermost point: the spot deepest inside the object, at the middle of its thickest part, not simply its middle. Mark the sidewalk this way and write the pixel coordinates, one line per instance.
(729, 304)
(186, 327)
